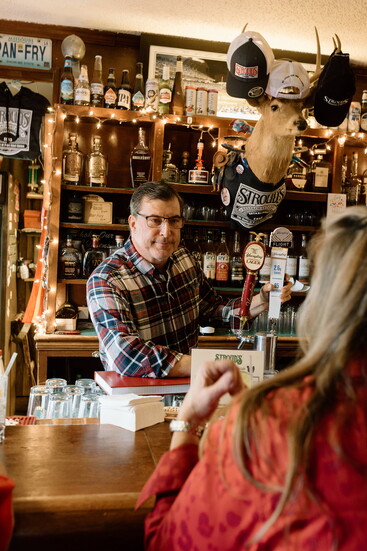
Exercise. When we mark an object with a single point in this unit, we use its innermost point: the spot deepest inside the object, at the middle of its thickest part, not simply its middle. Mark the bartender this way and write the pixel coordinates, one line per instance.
(149, 298)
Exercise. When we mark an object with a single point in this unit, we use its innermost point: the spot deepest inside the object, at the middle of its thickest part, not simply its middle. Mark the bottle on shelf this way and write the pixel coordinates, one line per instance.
(363, 194)
(74, 208)
(354, 183)
(93, 257)
(265, 270)
(68, 310)
(236, 266)
(184, 168)
(291, 263)
(140, 161)
(198, 175)
(170, 171)
(164, 94)
(96, 165)
(222, 262)
(124, 91)
(344, 172)
(119, 241)
(354, 116)
(196, 249)
(72, 162)
(96, 84)
(138, 97)
(67, 83)
(209, 259)
(320, 173)
(297, 175)
(177, 106)
(110, 90)
(364, 111)
(303, 262)
(82, 88)
(70, 261)
(151, 95)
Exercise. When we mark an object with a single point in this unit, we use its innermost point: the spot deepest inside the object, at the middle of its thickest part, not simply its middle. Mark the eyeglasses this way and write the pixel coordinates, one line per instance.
(175, 222)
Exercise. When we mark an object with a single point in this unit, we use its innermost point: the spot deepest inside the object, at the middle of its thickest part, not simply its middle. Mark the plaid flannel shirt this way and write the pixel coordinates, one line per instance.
(145, 319)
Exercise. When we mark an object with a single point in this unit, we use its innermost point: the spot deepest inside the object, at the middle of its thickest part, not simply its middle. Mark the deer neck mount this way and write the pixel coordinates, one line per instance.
(269, 148)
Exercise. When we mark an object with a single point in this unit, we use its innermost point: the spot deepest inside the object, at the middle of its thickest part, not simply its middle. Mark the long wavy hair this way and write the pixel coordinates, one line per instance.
(333, 326)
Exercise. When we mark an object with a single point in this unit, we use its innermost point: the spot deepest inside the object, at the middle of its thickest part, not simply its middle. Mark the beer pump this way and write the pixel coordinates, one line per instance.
(280, 241)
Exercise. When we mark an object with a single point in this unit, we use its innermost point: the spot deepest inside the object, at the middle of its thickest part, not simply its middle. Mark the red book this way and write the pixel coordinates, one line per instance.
(115, 383)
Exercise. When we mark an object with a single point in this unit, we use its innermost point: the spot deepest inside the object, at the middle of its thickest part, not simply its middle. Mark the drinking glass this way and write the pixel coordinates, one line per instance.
(89, 405)
(88, 385)
(76, 393)
(39, 397)
(56, 385)
(59, 406)
(3, 395)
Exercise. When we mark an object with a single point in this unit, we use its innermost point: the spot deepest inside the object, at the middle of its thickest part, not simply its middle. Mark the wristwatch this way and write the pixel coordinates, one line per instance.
(176, 425)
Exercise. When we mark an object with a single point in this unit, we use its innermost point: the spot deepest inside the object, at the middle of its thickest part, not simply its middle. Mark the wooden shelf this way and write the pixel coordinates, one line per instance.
(82, 226)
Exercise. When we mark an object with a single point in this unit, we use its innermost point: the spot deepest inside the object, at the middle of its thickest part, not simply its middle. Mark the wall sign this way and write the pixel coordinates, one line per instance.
(25, 51)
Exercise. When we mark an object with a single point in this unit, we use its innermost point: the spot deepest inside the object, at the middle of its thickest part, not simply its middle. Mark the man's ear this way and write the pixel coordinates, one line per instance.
(132, 222)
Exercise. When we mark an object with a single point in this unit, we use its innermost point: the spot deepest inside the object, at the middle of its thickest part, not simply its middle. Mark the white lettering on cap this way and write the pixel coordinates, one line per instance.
(335, 102)
(246, 72)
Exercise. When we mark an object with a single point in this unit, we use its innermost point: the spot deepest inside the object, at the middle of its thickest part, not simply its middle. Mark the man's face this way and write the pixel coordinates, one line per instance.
(155, 244)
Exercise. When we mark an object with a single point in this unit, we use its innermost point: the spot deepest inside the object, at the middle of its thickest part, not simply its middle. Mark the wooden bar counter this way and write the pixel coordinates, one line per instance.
(52, 345)
(76, 485)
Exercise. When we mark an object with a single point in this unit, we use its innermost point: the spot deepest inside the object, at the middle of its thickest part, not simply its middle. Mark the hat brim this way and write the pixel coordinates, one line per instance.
(247, 89)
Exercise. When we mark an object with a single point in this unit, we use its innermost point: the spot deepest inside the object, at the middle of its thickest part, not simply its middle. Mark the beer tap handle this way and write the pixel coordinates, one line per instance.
(253, 258)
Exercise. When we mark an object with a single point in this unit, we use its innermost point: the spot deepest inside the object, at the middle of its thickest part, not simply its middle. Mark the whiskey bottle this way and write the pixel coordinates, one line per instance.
(164, 93)
(151, 95)
(110, 91)
(354, 184)
(209, 259)
(303, 262)
(344, 170)
(320, 174)
(196, 249)
(177, 106)
(93, 257)
(170, 172)
(124, 92)
(74, 209)
(67, 83)
(364, 111)
(82, 88)
(264, 272)
(68, 310)
(199, 175)
(96, 166)
(222, 262)
(96, 84)
(236, 265)
(140, 161)
(184, 169)
(72, 162)
(291, 263)
(119, 241)
(70, 261)
(138, 98)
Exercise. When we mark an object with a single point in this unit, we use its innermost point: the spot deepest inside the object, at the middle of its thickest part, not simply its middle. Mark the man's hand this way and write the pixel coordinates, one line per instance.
(260, 302)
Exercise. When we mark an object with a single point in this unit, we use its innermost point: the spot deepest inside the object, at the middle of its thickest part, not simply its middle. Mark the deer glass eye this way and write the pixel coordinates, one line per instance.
(274, 107)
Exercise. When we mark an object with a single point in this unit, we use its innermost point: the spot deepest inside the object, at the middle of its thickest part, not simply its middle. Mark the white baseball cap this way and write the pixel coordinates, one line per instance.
(288, 79)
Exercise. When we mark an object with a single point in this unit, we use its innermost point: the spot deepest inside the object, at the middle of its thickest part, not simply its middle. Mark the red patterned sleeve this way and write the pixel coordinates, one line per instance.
(6, 513)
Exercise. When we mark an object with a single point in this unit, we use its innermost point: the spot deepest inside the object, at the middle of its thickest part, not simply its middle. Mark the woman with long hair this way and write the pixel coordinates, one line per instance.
(286, 469)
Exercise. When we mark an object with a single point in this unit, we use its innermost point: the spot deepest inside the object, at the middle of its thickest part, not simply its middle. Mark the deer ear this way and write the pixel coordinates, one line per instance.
(259, 102)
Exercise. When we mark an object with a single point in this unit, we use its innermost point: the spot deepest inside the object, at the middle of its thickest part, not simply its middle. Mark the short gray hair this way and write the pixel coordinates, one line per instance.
(151, 191)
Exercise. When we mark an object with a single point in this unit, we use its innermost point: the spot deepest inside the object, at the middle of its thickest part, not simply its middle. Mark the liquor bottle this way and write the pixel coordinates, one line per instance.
(140, 161)
(363, 194)
(164, 94)
(82, 88)
(72, 162)
(93, 257)
(151, 95)
(196, 249)
(67, 83)
(124, 92)
(236, 265)
(96, 165)
(222, 262)
(177, 106)
(70, 261)
(344, 171)
(184, 169)
(354, 116)
(303, 262)
(320, 174)
(110, 91)
(138, 97)
(354, 184)
(119, 241)
(96, 84)
(364, 111)
(68, 310)
(291, 263)
(170, 171)
(297, 176)
(210, 257)
(74, 208)
(265, 270)
(198, 175)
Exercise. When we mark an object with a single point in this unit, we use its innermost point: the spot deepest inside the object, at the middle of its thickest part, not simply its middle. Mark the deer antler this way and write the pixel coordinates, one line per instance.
(244, 28)
(337, 44)
(318, 69)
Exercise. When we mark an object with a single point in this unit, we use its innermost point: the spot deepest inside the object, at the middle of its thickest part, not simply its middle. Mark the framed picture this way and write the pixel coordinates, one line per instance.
(200, 69)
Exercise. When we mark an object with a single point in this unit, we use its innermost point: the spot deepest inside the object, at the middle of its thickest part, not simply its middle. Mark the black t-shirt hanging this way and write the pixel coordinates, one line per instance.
(20, 122)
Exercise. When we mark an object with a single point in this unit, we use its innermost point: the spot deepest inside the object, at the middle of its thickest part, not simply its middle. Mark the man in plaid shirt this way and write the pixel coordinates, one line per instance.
(148, 299)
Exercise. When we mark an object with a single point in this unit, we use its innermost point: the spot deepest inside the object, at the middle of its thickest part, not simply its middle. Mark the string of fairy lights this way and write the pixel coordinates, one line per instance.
(53, 169)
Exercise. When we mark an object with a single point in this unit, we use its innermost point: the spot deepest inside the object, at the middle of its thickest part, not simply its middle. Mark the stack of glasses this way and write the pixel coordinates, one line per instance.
(58, 400)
